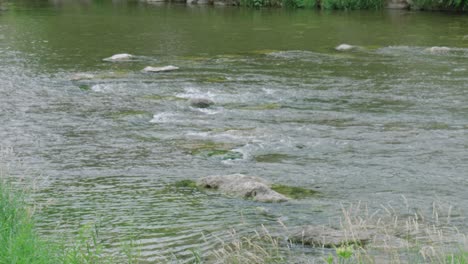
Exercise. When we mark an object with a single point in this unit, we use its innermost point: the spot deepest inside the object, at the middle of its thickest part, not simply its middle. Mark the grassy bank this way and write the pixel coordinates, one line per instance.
(21, 244)
(421, 239)
(411, 238)
(18, 239)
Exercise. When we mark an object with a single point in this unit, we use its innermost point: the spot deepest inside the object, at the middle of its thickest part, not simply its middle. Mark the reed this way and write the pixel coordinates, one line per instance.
(18, 238)
(399, 238)
(21, 244)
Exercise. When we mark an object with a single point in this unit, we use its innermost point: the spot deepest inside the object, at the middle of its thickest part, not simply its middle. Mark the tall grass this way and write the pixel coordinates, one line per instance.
(398, 238)
(21, 244)
(18, 238)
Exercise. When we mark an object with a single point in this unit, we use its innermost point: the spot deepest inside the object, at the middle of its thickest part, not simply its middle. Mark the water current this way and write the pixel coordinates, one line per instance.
(384, 124)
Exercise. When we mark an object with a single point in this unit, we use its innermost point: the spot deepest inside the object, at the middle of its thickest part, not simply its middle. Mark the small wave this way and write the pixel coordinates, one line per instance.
(300, 55)
(423, 51)
(101, 88)
(192, 92)
(209, 111)
(165, 117)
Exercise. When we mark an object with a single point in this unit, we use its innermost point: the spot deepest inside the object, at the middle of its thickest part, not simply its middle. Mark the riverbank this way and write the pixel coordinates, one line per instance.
(21, 243)
(403, 239)
(430, 5)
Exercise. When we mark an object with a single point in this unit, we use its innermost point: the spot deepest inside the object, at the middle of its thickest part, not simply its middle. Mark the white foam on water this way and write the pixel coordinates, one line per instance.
(192, 92)
(198, 134)
(209, 111)
(101, 88)
(424, 51)
(165, 117)
(268, 91)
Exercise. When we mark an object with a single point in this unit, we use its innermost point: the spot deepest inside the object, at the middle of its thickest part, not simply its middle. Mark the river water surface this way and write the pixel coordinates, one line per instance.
(385, 124)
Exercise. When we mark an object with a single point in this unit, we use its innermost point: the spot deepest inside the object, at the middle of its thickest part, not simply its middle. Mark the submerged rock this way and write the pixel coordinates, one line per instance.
(244, 186)
(438, 50)
(160, 69)
(322, 236)
(344, 47)
(201, 102)
(119, 57)
(293, 192)
(81, 76)
(386, 241)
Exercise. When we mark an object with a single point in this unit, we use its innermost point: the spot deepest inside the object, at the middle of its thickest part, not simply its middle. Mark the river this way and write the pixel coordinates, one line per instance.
(385, 124)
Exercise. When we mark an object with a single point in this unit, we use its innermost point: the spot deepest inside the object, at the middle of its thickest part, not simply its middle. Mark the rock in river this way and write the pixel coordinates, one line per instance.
(344, 47)
(243, 186)
(322, 236)
(81, 76)
(201, 102)
(160, 69)
(438, 50)
(119, 57)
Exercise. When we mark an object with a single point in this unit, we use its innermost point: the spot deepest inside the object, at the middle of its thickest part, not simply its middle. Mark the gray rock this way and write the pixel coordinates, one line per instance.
(322, 236)
(201, 102)
(344, 47)
(81, 76)
(160, 69)
(243, 186)
(438, 50)
(119, 57)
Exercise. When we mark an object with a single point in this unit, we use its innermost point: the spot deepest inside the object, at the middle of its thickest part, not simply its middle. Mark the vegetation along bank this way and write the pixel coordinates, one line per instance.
(434, 5)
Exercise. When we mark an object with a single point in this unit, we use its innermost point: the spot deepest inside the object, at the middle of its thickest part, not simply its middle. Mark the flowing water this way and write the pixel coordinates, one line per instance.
(376, 124)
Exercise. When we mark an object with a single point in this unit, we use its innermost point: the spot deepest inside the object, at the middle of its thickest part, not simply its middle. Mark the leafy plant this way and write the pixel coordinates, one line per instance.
(344, 252)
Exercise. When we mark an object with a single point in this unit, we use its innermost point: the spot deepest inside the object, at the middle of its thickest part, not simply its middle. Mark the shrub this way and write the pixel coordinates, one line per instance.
(351, 4)
(461, 5)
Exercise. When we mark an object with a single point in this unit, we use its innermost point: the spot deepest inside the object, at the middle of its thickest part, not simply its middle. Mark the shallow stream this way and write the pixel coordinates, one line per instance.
(384, 124)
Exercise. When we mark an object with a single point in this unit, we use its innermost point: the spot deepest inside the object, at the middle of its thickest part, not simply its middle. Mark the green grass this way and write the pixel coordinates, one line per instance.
(18, 239)
(186, 184)
(21, 244)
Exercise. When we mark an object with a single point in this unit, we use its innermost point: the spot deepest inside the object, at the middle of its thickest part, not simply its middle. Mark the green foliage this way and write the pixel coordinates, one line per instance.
(20, 243)
(301, 3)
(344, 252)
(440, 4)
(253, 3)
(351, 4)
(185, 184)
(197, 258)
(84, 87)
(459, 258)
(343, 255)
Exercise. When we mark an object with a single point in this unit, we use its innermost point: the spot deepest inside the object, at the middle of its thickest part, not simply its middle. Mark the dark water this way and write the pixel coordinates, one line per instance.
(377, 124)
